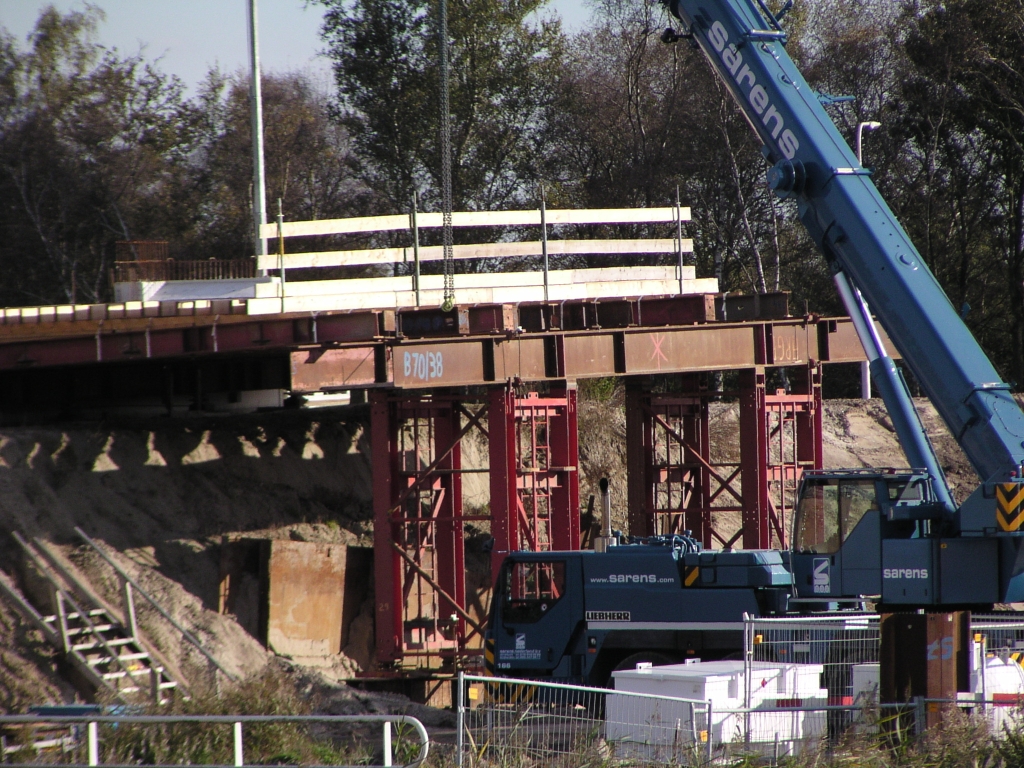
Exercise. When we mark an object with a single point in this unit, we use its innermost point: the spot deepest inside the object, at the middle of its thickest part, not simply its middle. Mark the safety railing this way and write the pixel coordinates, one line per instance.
(529, 724)
(836, 642)
(93, 742)
(130, 586)
(524, 722)
(169, 269)
(516, 270)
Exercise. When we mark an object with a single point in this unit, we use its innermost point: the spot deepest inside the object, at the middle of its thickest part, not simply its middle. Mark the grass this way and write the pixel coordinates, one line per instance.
(264, 743)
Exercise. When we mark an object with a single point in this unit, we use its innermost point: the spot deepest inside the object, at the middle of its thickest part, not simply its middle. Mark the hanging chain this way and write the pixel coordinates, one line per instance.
(446, 168)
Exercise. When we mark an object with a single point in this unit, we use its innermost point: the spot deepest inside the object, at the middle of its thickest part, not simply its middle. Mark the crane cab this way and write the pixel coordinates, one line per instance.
(882, 535)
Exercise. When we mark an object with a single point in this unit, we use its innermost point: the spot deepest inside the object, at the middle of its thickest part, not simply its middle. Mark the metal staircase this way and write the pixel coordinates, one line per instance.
(108, 652)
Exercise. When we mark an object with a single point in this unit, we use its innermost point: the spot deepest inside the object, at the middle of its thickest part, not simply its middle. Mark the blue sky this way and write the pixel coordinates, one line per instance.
(190, 36)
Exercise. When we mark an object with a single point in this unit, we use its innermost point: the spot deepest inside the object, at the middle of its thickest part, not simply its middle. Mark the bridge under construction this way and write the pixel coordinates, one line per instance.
(504, 361)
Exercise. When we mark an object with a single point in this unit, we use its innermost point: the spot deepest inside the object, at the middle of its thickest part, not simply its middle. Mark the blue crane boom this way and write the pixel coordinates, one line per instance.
(855, 229)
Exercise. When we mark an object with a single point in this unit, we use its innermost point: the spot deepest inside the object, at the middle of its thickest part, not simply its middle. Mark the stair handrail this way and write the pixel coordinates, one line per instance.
(83, 614)
(159, 608)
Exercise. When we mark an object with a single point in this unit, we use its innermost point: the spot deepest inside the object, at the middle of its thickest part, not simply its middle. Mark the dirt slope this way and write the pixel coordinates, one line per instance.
(163, 495)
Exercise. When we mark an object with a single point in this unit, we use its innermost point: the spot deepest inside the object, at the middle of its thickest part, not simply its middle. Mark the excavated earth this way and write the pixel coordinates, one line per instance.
(163, 494)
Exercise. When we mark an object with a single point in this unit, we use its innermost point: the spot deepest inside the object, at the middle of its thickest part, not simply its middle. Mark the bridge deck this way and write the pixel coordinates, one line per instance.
(137, 349)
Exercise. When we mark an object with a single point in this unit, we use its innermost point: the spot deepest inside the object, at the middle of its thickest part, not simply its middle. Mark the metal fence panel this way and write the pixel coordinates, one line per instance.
(799, 697)
(120, 722)
(518, 723)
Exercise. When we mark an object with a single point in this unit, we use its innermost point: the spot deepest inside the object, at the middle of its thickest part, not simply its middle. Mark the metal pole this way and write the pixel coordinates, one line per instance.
(416, 249)
(865, 370)
(870, 125)
(259, 193)
(280, 248)
(679, 239)
(711, 732)
(92, 735)
(129, 610)
(544, 238)
(238, 744)
(446, 167)
(981, 653)
(893, 389)
(460, 720)
(748, 673)
(387, 744)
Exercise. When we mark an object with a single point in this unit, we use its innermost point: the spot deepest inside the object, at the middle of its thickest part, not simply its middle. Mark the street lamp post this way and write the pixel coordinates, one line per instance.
(865, 373)
(869, 125)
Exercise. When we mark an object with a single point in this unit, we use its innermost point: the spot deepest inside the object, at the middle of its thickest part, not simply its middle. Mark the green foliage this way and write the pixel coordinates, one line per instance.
(386, 67)
(96, 147)
(85, 141)
(961, 112)
(599, 390)
(264, 743)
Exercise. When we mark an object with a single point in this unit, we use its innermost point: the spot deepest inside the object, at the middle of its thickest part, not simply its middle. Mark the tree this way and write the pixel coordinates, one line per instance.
(97, 148)
(963, 110)
(308, 161)
(85, 143)
(638, 119)
(386, 70)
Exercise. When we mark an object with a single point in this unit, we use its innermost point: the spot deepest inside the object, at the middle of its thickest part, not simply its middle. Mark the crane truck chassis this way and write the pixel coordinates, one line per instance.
(578, 616)
(894, 537)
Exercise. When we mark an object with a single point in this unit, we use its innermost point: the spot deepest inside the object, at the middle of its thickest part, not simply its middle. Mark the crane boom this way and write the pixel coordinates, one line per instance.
(855, 229)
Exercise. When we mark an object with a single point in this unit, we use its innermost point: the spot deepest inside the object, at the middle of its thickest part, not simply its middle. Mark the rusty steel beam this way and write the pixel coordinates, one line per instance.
(323, 369)
(530, 340)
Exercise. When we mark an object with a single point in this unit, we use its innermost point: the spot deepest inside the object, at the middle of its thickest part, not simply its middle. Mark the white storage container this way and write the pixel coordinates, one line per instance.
(1003, 683)
(659, 725)
(702, 680)
(724, 685)
(865, 683)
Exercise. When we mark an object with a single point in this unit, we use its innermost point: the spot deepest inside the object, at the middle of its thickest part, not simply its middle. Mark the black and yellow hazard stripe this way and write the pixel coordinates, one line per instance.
(500, 692)
(489, 657)
(1010, 506)
(691, 574)
(509, 693)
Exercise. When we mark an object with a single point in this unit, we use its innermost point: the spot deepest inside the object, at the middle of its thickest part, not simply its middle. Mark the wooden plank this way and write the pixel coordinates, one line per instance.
(486, 295)
(616, 215)
(339, 226)
(476, 219)
(478, 251)
(479, 280)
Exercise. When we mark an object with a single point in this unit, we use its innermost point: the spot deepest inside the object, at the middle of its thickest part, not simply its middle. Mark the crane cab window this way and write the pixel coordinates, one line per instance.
(531, 589)
(906, 492)
(829, 510)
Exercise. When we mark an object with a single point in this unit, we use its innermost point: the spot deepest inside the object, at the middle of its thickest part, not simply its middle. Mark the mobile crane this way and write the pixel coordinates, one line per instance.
(894, 536)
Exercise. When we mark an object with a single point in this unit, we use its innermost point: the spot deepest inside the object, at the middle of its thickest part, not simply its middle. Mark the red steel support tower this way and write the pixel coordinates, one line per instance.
(419, 549)
(422, 617)
(675, 483)
(534, 461)
(668, 452)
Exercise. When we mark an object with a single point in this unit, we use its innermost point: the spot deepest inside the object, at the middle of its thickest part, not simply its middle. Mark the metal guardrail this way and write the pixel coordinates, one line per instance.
(169, 269)
(527, 722)
(132, 584)
(92, 723)
(533, 724)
